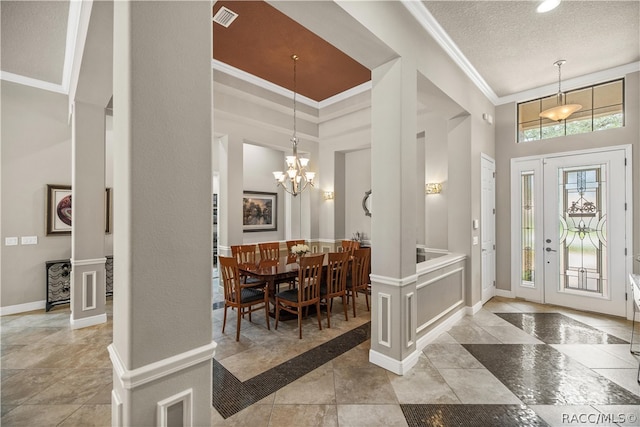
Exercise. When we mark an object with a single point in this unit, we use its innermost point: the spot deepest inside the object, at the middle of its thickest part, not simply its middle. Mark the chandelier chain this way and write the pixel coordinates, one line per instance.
(295, 87)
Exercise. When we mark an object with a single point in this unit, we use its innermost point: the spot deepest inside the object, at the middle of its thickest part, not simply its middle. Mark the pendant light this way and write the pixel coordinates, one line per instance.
(561, 111)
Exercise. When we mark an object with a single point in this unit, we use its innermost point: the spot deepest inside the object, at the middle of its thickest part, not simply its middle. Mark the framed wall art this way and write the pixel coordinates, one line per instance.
(259, 211)
(59, 216)
(58, 209)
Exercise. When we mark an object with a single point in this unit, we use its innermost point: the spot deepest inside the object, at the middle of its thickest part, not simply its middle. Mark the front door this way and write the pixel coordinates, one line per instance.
(584, 231)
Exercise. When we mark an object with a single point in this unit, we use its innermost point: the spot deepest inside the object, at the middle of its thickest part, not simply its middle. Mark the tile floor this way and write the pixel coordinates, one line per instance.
(506, 366)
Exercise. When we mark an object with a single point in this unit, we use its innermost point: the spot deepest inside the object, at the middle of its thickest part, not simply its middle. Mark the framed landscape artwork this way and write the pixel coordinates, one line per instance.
(59, 209)
(259, 211)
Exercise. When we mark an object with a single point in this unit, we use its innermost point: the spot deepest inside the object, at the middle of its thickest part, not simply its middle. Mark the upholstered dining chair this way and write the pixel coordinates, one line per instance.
(245, 298)
(245, 255)
(269, 253)
(306, 294)
(359, 279)
(291, 243)
(335, 283)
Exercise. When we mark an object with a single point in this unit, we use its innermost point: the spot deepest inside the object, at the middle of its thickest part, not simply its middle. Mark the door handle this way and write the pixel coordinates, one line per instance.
(549, 250)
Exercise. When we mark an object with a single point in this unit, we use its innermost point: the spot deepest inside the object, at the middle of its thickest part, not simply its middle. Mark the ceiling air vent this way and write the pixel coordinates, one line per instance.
(224, 17)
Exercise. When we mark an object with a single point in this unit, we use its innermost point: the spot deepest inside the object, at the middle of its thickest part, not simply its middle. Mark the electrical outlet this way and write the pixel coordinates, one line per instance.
(10, 241)
(29, 240)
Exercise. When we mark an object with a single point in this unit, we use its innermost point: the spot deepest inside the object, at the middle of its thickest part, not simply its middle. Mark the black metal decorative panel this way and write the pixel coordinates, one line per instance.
(59, 281)
(108, 272)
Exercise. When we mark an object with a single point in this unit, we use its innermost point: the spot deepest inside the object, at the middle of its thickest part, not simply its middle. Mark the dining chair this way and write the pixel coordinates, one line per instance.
(335, 283)
(245, 255)
(269, 253)
(245, 298)
(349, 245)
(306, 294)
(291, 243)
(359, 278)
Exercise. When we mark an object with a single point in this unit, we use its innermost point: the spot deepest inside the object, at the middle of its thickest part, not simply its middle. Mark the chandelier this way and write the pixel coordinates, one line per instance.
(296, 178)
(561, 111)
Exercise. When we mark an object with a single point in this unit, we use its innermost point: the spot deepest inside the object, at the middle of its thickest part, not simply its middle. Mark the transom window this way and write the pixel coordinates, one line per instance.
(602, 108)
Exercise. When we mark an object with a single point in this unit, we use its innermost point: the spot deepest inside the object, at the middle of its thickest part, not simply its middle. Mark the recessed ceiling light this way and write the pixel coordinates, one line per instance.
(547, 5)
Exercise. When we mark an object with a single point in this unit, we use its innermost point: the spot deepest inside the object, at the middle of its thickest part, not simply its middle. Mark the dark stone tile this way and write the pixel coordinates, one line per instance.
(540, 375)
(555, 328)
(471, 415)
(230, 395)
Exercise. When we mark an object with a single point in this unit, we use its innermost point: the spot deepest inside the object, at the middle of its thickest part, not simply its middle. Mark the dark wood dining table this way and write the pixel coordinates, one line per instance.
(272, 272)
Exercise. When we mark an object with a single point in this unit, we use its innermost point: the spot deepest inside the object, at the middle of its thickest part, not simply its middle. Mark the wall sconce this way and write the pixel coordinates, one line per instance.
(328, 195)
(433, 188)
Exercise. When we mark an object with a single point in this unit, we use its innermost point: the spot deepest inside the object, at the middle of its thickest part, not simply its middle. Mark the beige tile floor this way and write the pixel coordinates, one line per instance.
(53, 376)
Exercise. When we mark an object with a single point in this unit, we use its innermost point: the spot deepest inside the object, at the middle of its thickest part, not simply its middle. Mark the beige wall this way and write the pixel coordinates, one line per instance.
(507, 148)
(36, 151)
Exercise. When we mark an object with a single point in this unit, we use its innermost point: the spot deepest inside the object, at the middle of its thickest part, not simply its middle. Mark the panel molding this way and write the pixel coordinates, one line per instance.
(186, 397)
(384, 305)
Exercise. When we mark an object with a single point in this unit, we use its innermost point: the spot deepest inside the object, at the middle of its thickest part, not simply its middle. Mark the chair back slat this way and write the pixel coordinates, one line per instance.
(337, 270)
(269, 251)
(360, 268)
(230, 278)
(349, 245)
(309, 276)
(244, 254)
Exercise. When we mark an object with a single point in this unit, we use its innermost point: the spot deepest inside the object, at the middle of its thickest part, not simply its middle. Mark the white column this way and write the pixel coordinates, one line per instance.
(230, 197)
(88, 284)
(162, 347)
(393, 222)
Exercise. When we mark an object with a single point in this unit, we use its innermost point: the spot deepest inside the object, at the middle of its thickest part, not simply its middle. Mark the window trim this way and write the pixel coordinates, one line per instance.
(564, 122)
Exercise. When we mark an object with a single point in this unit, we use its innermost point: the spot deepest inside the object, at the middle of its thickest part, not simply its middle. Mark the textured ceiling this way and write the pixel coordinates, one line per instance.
(33, 38)
(261, 41)
(513, 48)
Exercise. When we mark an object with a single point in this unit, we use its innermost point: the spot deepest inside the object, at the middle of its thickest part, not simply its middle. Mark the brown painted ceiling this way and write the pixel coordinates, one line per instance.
(261, 40)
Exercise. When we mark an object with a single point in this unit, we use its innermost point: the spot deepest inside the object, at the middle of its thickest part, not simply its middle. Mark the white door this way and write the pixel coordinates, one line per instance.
(488, 227)
(584, 231)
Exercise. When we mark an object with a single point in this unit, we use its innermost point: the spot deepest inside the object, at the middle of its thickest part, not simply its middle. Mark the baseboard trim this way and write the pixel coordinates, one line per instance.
(398, 367)
(130, 379)
(504, 293)
(22, 308)
(85, 322)
(430, 336)
(473, 310)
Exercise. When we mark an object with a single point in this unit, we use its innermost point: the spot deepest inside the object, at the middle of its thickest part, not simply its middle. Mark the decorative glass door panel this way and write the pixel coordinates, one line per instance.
(582, 230)
(585, 231)
(527, 224)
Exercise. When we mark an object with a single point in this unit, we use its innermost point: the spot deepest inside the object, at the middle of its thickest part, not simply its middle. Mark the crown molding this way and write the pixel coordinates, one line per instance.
(429, 23)
(255, 80)
(28, 81)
